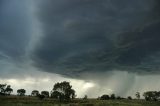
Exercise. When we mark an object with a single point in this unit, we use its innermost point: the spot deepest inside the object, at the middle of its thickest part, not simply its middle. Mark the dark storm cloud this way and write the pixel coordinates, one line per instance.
(82, 36)
(14, 28)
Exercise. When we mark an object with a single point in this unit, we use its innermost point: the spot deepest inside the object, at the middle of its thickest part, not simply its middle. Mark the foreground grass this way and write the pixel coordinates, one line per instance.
(33, 101)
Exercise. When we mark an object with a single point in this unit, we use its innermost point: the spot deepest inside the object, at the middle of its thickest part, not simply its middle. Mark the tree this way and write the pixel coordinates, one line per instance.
(55, 94)
(35, 93)
(151, 95)
(137, 95)
(70, 94)
(63, 91)
(8, 90)
(41, 96)
(158, 95)
(5, 89)
(112, 96)
(104, 97)
(119, 97)
(85, 97)
(45, 93)
(21, 92)
(129, 98)
(2, 89)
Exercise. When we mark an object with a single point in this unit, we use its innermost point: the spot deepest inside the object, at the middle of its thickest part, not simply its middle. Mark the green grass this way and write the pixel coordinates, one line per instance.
(33, 101)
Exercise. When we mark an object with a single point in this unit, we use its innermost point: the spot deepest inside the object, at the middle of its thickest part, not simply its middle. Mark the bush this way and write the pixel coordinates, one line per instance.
(104, 97)
(41, 96)
(85, 97)
(129, 98)
(119, 98)
(113, 97)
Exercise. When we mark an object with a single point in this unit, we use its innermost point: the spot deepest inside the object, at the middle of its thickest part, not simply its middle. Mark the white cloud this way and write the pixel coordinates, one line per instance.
(45, 81)
(92, 84)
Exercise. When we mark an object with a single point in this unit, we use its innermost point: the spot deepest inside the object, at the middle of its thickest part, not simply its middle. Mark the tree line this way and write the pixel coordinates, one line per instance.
(61, 91)
(64, 91)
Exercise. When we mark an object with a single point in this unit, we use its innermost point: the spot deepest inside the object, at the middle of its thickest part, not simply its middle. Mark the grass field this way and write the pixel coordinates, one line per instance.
(33, 101)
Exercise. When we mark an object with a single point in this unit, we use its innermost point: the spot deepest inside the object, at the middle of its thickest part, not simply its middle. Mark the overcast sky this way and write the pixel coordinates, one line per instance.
(100, 46)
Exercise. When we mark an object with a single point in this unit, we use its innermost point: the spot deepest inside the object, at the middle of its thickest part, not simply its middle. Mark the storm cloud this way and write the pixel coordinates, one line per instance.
(86, 36)
(14, 28)
(102, 46)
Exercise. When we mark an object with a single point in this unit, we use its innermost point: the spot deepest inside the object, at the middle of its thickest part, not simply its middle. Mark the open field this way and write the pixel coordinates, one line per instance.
(33, 101)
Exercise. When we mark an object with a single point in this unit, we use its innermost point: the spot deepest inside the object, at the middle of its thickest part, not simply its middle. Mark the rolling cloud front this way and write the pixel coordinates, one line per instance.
(106, 46)
(90, 35)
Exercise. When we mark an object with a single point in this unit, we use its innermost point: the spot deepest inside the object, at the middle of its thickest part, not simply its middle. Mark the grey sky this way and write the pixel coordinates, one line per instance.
(78, 39)
(92, 35)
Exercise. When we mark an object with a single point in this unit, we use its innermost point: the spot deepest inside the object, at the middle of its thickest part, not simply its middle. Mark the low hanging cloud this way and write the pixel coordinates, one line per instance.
(98, 36)
(110, 46)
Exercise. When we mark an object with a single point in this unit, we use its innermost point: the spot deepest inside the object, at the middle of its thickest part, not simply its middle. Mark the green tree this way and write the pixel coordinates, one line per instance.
(35, 93)
(63, 91)
(21, 92)
(8, 90)
(5, 89)
(151, 95)
(119, 98)
(113, 96)
(41, 97)
(104, 97)
(55, 94)
(129, 98)
(2, 88)
(45, 93)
